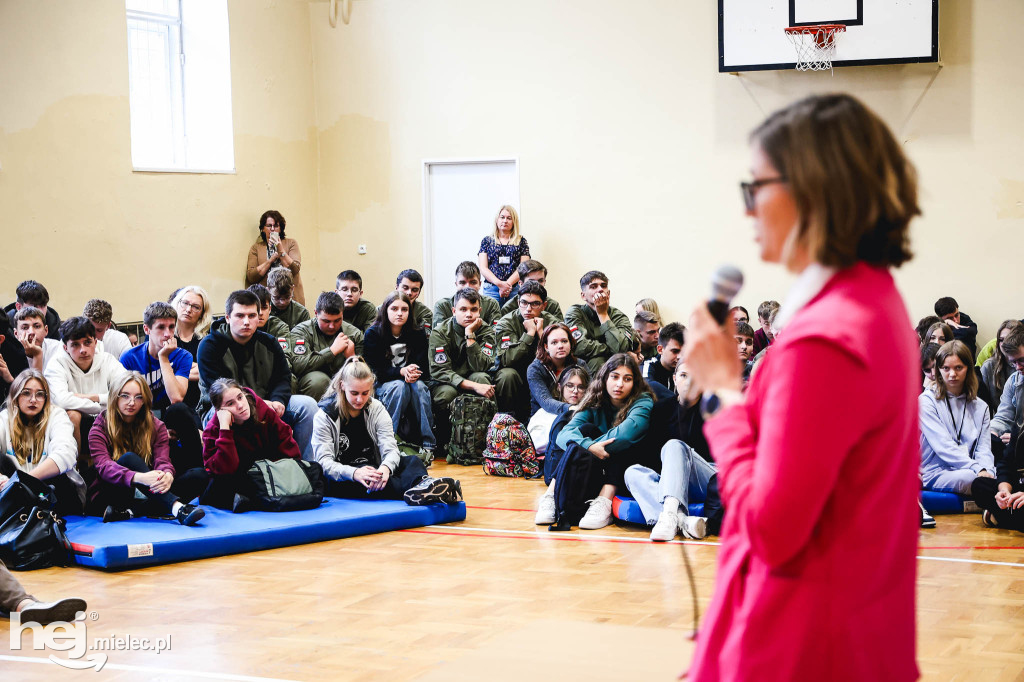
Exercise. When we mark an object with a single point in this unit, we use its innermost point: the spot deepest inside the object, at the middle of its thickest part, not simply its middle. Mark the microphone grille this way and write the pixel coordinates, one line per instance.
(726, 282)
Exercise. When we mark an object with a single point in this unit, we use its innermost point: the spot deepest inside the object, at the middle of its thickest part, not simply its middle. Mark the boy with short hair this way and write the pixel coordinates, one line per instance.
(646, 326)
(599, 329)
(359, 312)
(764, 336)
(319, 347)
(30, 329)
(745, 348)
(461, 351)
(661, 368)
(517, 334)
(467, 274)
(274, 326)
(410, 283)
(964, 328)
(81, 379)
(101, 314)
(282, 287)
(32, 293)
(535, 270)
(164, 366)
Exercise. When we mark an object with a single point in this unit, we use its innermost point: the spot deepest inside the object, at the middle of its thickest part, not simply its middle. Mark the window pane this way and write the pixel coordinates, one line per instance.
(165, 7)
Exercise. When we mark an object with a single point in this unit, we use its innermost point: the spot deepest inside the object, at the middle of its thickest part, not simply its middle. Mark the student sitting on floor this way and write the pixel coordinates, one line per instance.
(739, 315)
(681, 469)
(359, 312)
(1006, 424)
(535, 270)
(764, 336)
(244, 430)
(556, 353)
(599, 329)
(661, 367)
(745, 349)
(130, 455)
(354, 443)
(36, 437)
(648, 305)
(282, 302)
(166, 369)
(964, 328)
(467, 274)
(955, 444)
(410, 283)
(12, 355)
(997, 369)
(30, 329)
(81, 379)
(517, 334)
(235, 349)
(101, 315)
(923, 325)
(928, 353)
(610, 421)
(193, 306)
(647, 326)
(274, 326)
(940, 333)
(319, 347)
(396, 351)
(32, 293)
(572, 384)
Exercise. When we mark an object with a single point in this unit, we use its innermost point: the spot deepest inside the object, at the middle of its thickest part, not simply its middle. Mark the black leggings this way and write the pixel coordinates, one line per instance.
(984, 491)
(121, 497)
(410, 472)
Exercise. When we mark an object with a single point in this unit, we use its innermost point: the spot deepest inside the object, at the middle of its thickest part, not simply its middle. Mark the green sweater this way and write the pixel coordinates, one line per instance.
(310, 349)
(361, 315)
(452, 359)
(488, 310)
(596, 340)
(551, 306)
(292, 315)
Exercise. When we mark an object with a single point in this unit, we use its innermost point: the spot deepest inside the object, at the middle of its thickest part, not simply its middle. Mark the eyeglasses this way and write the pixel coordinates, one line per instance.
(573, 388)
(749, 189)
(530, 304)
(129, 398)
(38, 395)
(190, 306)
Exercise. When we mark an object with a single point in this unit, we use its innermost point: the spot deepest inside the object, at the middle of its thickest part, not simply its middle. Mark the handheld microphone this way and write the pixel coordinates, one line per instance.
(726, 282)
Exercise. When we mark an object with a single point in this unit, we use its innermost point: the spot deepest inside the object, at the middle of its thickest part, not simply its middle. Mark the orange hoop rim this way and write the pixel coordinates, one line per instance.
(814, 28)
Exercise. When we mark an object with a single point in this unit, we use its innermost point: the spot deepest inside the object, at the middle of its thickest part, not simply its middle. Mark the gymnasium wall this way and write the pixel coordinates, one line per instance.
(76, 216)
(630, 143)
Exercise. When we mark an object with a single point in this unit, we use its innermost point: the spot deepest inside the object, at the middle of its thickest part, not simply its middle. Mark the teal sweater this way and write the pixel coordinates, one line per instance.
(627, 434)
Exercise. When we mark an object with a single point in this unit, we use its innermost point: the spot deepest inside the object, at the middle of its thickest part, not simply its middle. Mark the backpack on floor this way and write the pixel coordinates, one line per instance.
(578, 479)
(510, 450)
(470, 415)
(282, 485)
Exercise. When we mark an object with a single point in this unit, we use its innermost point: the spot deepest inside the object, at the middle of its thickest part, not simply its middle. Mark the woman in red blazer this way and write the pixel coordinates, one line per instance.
(816, 570)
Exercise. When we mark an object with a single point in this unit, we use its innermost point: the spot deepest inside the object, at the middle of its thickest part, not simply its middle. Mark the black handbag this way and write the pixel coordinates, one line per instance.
(34, 538)
(23, 492)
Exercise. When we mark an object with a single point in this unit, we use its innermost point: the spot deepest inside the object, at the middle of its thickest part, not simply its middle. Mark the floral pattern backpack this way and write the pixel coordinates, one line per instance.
(510, 450)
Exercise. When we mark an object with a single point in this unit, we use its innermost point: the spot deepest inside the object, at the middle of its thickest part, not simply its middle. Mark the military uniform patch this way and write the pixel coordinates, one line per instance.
(577, 333)
(283, 342)
(440, 357)
(488, 350)
(300, 347)
(506, 341)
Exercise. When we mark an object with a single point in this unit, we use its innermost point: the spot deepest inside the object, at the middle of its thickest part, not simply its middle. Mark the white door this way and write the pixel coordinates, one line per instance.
(460, 200)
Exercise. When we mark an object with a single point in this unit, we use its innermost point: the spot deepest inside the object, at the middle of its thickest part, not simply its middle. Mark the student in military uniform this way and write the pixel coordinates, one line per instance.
(319, 347)
(410, 283)
(282, 305)
(517, 334)
(535, 270)
(461, 351)
(359, 312)
(274, 326)
(467, 275)
(599, 329)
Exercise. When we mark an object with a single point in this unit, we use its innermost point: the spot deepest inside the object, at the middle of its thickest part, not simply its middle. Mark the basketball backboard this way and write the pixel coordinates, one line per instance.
(751, 36)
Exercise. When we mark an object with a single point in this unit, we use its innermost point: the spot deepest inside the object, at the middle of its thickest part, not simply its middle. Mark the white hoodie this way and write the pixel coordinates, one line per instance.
(66, 379)
(59, 445)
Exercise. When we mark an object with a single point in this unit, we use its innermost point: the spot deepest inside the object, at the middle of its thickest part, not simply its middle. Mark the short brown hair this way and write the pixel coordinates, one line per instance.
(854, 188)
(98, 310)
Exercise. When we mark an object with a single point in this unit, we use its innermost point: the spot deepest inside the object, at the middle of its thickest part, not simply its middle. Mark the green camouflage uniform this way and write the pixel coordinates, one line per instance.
(361, 315)
(313, 363)
(488, 309)
(550, 307)
(516, 350)
(292, 315)
(596, 342)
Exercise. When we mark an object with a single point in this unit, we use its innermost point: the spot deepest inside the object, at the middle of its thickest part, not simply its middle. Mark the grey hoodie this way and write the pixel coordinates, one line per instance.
(327, 426)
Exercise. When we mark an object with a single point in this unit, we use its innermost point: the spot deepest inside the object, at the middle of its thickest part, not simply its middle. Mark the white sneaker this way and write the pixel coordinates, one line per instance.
(598, 515)
(545, 510)
(666, 527)
(695, 527)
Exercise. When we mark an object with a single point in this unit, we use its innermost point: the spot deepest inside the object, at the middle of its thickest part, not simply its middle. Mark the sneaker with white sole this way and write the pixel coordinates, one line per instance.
(666, 527)
(694, 527)
(927, 520)
(431, 491)
(598, 515)
(546, 511)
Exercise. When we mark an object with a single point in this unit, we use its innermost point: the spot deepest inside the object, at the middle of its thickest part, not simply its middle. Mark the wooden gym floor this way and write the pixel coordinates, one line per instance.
(494, 598)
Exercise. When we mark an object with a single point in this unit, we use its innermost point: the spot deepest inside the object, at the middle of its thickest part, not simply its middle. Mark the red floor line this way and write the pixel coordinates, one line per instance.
(500, 509)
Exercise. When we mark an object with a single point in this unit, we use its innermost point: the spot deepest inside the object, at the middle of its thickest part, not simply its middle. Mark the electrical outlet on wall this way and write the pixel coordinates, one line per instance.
(362, 249)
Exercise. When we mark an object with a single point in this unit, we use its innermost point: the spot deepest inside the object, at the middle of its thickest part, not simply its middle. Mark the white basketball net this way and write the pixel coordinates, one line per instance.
(815, 46)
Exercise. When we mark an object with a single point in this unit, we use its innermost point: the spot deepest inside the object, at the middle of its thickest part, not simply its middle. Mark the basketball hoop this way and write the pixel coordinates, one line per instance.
(815, 45)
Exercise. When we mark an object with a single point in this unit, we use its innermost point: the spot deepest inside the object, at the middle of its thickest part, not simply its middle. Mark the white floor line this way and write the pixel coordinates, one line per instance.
(698, 543)
(188, 674)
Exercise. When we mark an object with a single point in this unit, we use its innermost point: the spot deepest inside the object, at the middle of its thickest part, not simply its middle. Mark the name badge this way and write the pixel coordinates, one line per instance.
(504, 260)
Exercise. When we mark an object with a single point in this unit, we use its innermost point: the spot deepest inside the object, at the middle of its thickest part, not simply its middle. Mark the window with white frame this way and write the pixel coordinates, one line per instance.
(179, 81)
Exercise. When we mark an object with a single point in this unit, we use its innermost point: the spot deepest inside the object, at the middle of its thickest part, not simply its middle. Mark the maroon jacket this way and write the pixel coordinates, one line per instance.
(236, 449)
(108, 470)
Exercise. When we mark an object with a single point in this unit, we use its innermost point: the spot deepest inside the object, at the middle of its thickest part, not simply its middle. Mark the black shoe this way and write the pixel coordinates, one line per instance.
(110, 514)
(189, 514)
(45, 613)
(431, 491)
(454, 493)
(989, 519)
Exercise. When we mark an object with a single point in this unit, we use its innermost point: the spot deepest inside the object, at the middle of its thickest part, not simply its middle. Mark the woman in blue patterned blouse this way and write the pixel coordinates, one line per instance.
(500, 256)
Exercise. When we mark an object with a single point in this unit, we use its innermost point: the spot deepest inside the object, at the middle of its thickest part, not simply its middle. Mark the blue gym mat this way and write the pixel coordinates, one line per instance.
(947, 503)
(627, 509)
(145, 542)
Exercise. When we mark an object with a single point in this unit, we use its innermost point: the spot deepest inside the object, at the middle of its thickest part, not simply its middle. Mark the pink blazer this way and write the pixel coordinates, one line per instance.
(818, 475)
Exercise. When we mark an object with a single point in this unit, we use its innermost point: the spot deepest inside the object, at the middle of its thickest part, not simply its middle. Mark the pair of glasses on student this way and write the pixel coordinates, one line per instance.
(128, 398)
(530, 304)
(749, 189)
(38, 395)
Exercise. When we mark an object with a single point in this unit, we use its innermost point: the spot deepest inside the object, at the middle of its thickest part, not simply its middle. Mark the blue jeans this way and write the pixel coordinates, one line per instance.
(400, 398)
(492, 291)
(684, 476)
(299, 415)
